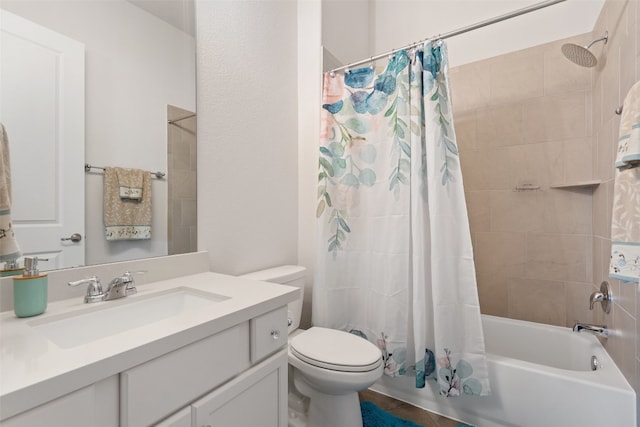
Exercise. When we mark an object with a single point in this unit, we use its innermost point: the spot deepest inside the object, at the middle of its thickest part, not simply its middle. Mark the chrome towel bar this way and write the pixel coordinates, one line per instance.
(88, 167)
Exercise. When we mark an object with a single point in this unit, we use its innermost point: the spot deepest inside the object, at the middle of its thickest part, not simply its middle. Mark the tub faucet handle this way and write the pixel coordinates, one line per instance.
(603, 296)
(594, 298)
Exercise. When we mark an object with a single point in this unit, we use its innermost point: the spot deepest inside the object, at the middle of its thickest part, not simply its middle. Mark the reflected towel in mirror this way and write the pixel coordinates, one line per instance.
(126, 219)
(130, 183)
(9, 250)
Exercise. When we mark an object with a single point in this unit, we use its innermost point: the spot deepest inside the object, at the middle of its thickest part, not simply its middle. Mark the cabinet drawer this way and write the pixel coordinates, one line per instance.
(151, 391)
(268, 333)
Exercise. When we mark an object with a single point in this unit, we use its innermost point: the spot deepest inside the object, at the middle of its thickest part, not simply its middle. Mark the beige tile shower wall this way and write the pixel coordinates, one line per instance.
(532, 117)
(616, 72)
(525, 118)
(182, 185)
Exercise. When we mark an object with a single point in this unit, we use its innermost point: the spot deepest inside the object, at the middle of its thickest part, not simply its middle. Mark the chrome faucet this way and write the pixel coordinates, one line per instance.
(118, 288)
(597, 330)
(122, 286)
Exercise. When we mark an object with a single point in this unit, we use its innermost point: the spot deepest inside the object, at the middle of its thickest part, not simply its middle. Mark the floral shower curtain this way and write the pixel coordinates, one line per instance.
(395, 262)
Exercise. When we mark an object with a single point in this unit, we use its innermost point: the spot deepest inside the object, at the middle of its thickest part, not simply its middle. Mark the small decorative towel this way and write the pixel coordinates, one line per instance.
(126, 219)
(9, 250)
(625, 220)
(130, 183)
(629, 137)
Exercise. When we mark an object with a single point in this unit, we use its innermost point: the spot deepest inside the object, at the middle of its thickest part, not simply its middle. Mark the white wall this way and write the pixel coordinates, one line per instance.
(398, 23)
(309, 98)
(136, 64)
(247, 133)
(346, 29)
(355, 29)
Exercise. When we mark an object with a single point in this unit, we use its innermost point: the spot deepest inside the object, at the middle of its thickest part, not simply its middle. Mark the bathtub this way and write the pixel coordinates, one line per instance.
(540, 376)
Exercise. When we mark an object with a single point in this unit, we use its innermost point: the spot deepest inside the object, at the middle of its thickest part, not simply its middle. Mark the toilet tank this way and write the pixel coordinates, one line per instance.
(290, 275)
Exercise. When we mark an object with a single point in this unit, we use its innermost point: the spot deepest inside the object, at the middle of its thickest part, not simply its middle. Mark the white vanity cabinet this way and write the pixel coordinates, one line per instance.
(224, 364)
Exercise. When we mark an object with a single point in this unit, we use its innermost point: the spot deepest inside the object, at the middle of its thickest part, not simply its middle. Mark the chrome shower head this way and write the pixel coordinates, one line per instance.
(580, 55)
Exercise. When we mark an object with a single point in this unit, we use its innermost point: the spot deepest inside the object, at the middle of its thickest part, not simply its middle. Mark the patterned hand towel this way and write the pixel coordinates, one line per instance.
(130, 183)
(9, 250)
(629, 137)
(625, 220)
(126, 219)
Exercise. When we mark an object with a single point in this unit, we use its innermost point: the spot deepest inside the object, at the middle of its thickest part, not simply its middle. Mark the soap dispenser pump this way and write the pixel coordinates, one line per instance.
(30, 289)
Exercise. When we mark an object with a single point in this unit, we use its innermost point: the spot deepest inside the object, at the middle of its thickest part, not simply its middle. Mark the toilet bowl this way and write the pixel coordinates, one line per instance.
(329, 366)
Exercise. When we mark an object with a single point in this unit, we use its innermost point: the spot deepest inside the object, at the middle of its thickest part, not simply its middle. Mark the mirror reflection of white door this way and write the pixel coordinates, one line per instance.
(42, 108)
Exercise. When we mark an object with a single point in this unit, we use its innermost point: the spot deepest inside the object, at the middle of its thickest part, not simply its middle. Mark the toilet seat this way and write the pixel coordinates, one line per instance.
(335, 350)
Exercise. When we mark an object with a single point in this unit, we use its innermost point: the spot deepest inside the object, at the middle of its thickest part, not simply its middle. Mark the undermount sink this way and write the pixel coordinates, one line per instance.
(113, 317)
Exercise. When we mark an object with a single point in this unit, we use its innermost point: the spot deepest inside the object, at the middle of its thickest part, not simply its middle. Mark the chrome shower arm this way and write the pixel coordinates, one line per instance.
(605, 38)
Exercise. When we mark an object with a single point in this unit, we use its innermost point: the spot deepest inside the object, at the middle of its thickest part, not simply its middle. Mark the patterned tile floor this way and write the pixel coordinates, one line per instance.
(407, 411)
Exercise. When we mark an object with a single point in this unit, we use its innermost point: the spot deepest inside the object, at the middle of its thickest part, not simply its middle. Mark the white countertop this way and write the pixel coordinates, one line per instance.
(33, 370)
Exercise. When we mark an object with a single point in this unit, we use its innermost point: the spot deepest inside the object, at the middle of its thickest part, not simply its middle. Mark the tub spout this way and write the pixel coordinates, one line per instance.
(598, 330)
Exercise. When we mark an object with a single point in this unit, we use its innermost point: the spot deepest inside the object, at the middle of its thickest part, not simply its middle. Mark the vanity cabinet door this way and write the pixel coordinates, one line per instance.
(257, 397)
(181, 418)
(152, 391)
(96, 405)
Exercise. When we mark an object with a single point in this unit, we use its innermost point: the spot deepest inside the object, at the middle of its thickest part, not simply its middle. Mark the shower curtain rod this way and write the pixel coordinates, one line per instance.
(459, 31)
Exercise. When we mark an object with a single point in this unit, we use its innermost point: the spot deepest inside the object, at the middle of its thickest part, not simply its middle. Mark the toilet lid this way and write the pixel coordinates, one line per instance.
(336, 350)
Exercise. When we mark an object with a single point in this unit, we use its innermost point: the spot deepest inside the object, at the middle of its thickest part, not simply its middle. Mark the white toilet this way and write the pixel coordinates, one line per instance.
(329, 366)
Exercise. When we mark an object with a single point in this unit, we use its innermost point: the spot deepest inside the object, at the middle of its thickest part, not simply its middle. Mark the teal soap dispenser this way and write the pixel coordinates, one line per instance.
(30, 290)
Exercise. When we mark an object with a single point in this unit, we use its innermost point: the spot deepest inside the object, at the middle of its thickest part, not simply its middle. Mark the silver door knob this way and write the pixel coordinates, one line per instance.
(75, 238)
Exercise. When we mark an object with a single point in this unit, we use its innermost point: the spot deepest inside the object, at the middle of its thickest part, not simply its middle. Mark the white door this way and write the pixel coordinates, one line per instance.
(42, 108)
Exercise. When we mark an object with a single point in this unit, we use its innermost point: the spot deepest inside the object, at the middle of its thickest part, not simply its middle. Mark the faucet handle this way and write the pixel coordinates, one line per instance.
(127, 278)
(94, 288)
(604, 297)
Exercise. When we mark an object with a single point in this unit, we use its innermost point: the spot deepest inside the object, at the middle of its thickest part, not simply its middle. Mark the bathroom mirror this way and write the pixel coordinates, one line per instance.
(132, 105)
